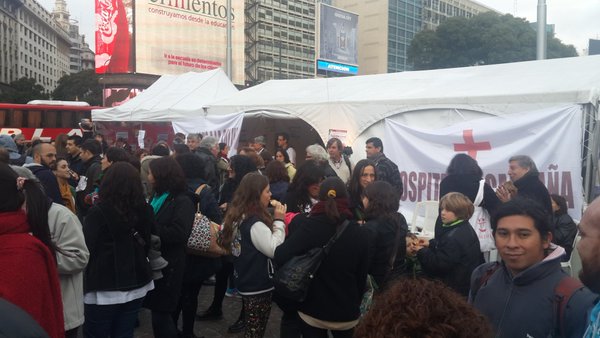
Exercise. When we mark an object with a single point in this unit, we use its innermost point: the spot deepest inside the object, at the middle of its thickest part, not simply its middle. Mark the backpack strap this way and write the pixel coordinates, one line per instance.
(347, 161)
(562, 294)
(485, 277)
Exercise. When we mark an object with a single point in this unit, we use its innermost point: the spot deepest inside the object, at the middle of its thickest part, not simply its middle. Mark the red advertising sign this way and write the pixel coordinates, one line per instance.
(43, 133)
(113, 36)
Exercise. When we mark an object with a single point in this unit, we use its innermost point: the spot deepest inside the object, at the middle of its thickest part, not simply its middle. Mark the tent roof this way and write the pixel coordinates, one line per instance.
(172, 98)
(363, 100)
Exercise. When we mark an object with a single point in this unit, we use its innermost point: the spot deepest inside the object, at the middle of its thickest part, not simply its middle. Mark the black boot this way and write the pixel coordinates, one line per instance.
(211, 314)
(240, 324)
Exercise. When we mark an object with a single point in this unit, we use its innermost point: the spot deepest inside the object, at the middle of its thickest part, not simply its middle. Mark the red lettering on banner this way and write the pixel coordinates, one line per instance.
(470, 146)
(421, 186)
(44, 133)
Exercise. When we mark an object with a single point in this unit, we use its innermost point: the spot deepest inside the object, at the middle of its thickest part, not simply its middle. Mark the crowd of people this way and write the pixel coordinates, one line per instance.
(104, 232)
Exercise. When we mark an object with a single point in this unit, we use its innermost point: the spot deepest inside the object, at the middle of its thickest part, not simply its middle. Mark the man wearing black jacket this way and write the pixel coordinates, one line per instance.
(524, 174)
(385, 169)
(90, 154)
(44, 161)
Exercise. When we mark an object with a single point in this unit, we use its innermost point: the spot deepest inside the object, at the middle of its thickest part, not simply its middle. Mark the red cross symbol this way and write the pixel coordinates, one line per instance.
(470, 146)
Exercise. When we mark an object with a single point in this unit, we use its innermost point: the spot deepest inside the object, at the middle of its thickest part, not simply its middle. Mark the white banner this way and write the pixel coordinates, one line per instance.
(226, 128)
(551, 137)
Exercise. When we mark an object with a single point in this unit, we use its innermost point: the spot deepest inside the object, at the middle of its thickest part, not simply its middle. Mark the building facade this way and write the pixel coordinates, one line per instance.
(36, 46)
(77, 51)
(387, 27)
(280, 40)
(35, 43)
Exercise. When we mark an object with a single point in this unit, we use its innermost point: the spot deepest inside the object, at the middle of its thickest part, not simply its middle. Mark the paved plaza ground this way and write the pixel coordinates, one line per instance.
(218, 328)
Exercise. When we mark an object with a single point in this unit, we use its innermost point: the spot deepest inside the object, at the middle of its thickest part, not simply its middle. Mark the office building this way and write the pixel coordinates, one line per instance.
(36, 46)
(79, 48)
(280, 40)
(387, 27)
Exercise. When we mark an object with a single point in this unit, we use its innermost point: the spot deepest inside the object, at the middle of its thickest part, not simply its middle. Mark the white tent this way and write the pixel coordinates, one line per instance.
(426, 99)
(172, 98)
(356, 103)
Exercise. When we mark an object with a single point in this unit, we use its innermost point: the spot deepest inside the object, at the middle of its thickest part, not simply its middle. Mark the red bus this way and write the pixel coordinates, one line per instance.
(44, 119)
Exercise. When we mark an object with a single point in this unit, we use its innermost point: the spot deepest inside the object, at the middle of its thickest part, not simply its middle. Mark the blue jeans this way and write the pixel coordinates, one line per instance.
(116, 320)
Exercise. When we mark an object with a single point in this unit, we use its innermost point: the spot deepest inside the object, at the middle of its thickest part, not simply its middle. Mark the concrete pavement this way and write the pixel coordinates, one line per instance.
(217, 328)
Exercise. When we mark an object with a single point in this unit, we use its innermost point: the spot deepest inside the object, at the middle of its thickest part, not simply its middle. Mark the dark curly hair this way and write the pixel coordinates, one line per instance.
(168, 175)
(309, 173)
(464, 164)
(122, 189)
(422, 308)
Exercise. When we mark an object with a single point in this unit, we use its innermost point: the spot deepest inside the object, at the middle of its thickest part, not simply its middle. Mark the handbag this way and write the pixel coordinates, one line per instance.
(480, 222)
(203, 238)
(293, 279)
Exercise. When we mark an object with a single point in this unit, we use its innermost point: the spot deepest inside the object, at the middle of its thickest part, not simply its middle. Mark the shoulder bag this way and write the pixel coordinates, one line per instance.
(203, 238)
(480, 222)
(293, 279)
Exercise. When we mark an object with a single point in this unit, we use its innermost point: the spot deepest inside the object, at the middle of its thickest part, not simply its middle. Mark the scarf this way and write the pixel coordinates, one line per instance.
(158, 201)
(452, 224)
(342, 206)
(67, 195)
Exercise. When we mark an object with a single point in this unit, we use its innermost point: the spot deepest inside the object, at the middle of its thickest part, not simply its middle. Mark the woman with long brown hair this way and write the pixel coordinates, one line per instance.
(252, 235)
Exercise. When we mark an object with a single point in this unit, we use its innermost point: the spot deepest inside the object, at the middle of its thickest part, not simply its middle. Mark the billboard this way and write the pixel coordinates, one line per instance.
(178, 36)
(336, 67)
(114, 36)
(338, 35)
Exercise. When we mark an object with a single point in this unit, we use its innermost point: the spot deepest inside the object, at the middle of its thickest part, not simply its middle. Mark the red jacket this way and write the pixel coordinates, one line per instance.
(28, 274)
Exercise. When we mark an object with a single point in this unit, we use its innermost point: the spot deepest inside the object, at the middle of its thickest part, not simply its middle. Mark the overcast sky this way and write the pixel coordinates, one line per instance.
(575, 21)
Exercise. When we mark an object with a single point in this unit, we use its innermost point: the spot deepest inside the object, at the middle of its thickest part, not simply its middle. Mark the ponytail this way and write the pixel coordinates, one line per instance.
(331, 209)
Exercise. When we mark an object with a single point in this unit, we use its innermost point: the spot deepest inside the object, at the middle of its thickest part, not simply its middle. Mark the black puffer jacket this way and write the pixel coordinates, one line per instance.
(452, 256)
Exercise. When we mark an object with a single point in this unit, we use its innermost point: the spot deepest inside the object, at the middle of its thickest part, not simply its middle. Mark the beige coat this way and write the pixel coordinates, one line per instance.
(67, 234)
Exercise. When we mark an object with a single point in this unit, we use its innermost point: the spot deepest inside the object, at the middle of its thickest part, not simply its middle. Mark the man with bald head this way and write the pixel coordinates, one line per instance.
(589, 251)
(44, 161)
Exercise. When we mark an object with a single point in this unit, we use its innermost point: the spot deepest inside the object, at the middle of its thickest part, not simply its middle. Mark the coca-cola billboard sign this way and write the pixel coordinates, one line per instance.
(113, 36)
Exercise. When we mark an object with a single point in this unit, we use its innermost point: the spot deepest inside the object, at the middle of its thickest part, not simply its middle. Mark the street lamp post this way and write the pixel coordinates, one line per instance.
(541, 30)
(229, 57)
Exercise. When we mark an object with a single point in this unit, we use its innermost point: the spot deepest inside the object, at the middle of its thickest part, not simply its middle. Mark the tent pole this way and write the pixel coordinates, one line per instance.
(590, 132)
